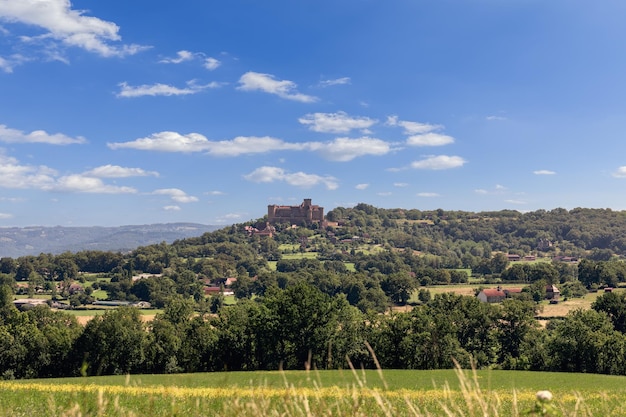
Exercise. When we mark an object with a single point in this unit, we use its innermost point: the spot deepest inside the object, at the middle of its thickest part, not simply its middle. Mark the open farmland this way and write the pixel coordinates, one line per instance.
(329, 393)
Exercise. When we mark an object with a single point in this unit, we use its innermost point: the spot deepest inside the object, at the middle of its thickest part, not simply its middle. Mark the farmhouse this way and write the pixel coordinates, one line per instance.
(304, 213)
(491, 295)
(497, 295)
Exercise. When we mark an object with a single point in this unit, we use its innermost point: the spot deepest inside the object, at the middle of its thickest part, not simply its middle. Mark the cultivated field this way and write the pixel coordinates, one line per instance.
(327, 393)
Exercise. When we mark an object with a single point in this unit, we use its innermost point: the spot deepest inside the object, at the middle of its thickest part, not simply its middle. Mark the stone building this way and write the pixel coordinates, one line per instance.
(304, 213)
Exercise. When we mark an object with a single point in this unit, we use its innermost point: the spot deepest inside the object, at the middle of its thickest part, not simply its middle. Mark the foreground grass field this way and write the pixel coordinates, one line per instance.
(327, 393)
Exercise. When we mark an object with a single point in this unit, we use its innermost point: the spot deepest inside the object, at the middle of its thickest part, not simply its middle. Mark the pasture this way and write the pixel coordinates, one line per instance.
(313, 393)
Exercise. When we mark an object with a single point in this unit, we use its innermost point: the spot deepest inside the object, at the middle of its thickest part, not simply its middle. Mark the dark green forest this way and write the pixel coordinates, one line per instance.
(321, 294)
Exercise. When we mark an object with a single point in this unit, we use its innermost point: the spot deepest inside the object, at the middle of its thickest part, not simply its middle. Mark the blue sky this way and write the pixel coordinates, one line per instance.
(133, 112)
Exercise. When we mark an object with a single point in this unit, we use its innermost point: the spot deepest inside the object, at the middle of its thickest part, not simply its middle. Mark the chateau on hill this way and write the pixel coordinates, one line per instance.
(305, 212)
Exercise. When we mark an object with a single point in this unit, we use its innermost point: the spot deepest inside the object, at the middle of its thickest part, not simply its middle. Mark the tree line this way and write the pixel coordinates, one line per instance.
(301, 326)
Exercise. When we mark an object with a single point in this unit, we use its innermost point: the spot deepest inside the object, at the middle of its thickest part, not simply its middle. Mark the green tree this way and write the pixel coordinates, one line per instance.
(113, 343)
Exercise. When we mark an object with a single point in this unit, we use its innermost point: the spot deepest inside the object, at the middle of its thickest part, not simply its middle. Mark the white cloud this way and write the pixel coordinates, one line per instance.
(176, 195)
(544, 172)
(66, 26)
(181, 56)
(171, 208)
(254, 81)
(481, 191)
(412, 128)
(400, 184)
(250, 145)
(429, 139)
(384, 193)
(340, 149)
(336, 81)
(346, 149)
(620, 172)
(516, 202)
(7, 64)
(159, 89)
(8, 135)
(14, 175)
(82, 184)
(439, 162)
(428, 195)
(166, 142)
(500, 187)
(269, 174)
(211, 63)
(492, 118)
(338, 122)
(361, 186)
(216, 192)
(5, 216)
(116, 171)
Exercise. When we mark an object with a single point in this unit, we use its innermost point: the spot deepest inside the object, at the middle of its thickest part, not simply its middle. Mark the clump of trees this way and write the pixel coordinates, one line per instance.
(302, 326)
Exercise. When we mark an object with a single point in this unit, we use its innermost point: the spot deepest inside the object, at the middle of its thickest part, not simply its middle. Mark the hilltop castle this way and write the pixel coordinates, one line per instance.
(305, 212)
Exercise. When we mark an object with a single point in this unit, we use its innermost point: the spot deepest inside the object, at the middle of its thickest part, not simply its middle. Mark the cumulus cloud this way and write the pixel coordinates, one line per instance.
(195, 142)
(65, 26)
(78, 183)
(346, 149)
(181, 56)
(254, 81)
(8, 135)
(166, 142)
(336, 81)
(338, 122)
(361, 186)
(18, 176)
(411, 128)
(267, 174)
(546, 172)
(7, 64)
(429, 139)
(211, 63)
(250, 145)
(15, 175)
(176, 195)
(620, 172)
(340, 149)
(439, 162)
(420, 134)
(128, 91)
(116, 171)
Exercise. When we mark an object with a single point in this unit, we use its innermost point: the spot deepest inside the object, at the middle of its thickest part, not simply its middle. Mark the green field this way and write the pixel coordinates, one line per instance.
(328, 393)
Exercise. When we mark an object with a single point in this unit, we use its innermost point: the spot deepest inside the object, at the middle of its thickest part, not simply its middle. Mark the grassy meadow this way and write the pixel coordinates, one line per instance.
(317, 393)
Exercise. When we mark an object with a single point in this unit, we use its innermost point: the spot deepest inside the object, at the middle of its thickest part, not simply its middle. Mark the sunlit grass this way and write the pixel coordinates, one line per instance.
(313, 393)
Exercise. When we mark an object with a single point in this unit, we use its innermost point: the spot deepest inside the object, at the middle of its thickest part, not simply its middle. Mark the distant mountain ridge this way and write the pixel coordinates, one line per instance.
(22, 241)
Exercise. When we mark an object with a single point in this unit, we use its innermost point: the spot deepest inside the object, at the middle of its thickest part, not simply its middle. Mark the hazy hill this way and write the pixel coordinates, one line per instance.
(20, 241)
